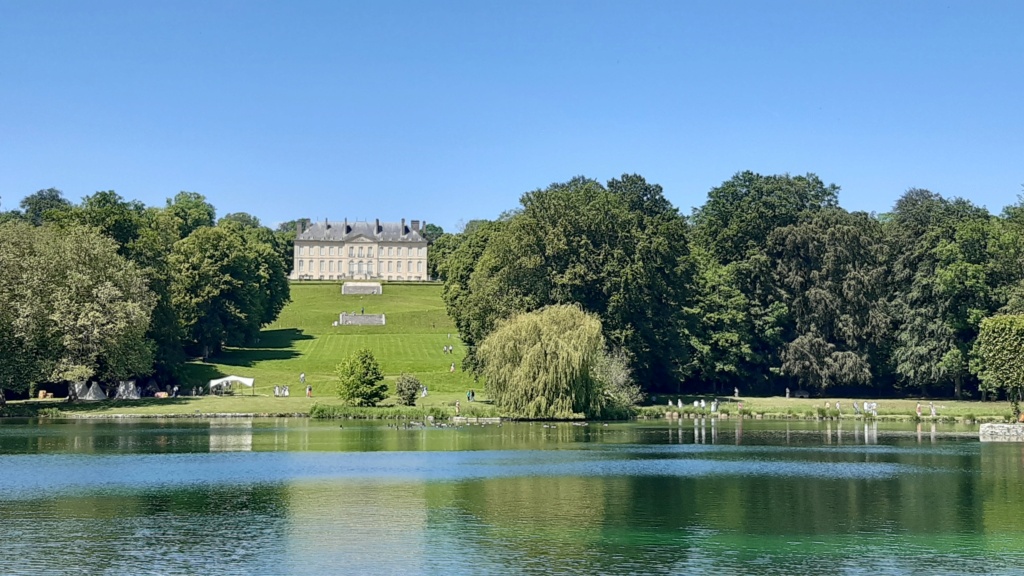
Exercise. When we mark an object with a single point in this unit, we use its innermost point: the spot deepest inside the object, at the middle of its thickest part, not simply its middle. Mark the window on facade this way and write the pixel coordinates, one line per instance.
(331, 251)
(302, 251)
(391, 252)
(351, 251)
(369, 252)
(351, 267)
(301, 267)
(390, 267)
(360, 267)
(310, 264)
(321, 265)
(419, 266)
(399, 265)
(330, 266)
(421, 250)
(369, 267)
(409, 267)
(360, 251)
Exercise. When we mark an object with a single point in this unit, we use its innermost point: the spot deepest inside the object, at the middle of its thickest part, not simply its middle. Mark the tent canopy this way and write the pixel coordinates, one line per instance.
(227, 380)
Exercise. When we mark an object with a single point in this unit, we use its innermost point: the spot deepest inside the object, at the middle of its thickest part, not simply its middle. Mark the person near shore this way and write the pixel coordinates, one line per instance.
(302, 378)
(452, 369)
(309, 391)
(931, 405)
(787, 391)
(702, 404)
(457, 407)
(736, 392)
(837, 407)
(856, 408)
(918, 409)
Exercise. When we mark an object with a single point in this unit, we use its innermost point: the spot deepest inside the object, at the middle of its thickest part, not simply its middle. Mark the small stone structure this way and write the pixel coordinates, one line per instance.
(347, 319)
(1001, 433)
(361, 288)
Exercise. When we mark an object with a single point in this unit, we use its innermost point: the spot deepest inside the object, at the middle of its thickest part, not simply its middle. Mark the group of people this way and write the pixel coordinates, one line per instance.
(448, 350)
(869, 408)
(699, 405)
(470, 396)
(281, 391)
(931, 406)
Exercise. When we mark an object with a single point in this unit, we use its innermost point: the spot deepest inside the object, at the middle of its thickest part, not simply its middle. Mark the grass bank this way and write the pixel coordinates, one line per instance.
(303, 340)
(777, 407)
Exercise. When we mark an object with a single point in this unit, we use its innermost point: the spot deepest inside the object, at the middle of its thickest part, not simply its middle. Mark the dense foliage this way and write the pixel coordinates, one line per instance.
(407, 388)
(110, 289)
(769, 285)
(360, 380)
(1000, 353)
(542, 364)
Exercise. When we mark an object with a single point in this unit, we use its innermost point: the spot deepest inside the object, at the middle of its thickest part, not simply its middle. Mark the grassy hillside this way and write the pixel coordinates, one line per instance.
(303, 340)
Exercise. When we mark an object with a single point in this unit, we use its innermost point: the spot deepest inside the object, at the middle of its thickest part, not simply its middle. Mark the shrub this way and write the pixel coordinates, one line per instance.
(407, 388)
(49, 413)
(360, 382)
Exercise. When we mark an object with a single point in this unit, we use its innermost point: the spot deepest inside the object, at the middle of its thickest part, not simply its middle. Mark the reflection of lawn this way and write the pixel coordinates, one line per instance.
(304, 341)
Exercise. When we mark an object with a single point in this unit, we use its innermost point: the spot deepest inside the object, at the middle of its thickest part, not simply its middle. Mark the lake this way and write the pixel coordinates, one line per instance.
(294, 496)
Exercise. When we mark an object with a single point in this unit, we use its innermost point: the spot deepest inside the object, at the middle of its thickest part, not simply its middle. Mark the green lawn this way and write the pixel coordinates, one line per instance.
(303, 340)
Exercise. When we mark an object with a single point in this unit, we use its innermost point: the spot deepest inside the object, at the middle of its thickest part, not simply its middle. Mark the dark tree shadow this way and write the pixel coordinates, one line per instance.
(283, 338)
(248, 357)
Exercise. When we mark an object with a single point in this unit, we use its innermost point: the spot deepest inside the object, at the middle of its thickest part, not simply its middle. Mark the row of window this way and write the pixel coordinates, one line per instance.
(353, 251)
(341, 277)
(360, 267)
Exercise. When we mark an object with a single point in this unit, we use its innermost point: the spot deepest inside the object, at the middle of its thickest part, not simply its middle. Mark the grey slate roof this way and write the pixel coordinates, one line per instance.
(336, 231)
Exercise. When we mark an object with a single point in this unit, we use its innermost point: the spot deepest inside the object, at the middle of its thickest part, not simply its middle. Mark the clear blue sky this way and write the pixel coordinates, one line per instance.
(449, 111)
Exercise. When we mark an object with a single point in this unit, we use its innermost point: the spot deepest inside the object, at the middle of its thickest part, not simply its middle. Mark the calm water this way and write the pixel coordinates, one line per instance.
(300, 497)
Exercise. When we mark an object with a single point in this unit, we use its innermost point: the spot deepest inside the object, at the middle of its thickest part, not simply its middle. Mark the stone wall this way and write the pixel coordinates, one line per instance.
(361, 288)
(346, 319)
(1001, 433)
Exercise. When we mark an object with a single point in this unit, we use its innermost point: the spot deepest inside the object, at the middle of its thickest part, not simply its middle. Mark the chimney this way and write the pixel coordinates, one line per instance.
(345, 230)
(415, 225)
(403, 227)
(376, 226)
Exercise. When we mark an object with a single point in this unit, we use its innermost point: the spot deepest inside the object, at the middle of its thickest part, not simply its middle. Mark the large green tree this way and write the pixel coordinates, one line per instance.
(35, 206)
(733, 228)
(542, 364)
(831, 275)
(192, 212)
(360, 380)
(940, 293)
(619, 252)
(1000, 350)
(226, 283)
(73, 308)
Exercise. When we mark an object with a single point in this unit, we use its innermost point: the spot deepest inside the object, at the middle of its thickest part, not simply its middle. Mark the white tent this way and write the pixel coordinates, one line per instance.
(228, 380)
(127, 390)
(94, 393)
(78, 389)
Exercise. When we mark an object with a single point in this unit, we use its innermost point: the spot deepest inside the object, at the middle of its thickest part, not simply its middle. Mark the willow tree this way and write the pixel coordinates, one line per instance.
(1000, 350)
(542, 364)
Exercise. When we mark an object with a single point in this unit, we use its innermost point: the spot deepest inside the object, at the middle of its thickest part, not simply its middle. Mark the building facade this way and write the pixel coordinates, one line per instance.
(361, 251)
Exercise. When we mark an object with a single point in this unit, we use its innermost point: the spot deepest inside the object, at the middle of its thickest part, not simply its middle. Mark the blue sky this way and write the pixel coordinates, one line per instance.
(449, 111)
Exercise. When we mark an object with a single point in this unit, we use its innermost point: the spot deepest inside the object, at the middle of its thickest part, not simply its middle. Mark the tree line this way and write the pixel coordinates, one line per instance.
(769, 285)
(110, 289)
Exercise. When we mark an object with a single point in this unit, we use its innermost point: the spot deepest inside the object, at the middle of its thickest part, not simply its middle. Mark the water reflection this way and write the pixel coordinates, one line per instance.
(300, 497)
(230, 435)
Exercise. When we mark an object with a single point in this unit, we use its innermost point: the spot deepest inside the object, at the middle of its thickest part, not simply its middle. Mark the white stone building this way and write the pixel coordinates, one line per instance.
(361, 251)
